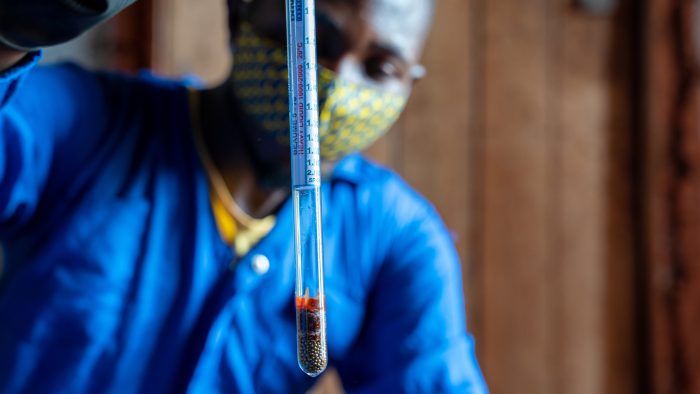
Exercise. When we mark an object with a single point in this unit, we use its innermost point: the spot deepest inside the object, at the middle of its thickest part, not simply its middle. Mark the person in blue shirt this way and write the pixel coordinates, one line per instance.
(147, 226)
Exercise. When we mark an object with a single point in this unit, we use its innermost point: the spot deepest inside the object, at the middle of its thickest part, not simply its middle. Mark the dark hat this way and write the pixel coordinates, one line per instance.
(31, 24)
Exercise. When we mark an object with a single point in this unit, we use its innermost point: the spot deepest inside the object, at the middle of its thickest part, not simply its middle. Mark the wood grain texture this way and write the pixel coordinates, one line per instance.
(662, 81)
(583, 161)
(686, 213)
(594, 313)
(518, 170)
(673, 188)
(557, 251)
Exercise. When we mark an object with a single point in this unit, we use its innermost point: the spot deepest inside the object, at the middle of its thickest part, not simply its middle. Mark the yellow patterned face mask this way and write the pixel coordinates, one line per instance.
(352, 115)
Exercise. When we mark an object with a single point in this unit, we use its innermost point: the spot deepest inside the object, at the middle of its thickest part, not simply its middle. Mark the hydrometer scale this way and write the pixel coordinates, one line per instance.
(306, 186)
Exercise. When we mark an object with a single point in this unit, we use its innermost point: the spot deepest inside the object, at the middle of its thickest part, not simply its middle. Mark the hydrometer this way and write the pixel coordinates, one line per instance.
(306, 186)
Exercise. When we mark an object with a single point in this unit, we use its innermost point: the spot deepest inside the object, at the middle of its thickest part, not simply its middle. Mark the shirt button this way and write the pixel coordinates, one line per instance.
(260, 264)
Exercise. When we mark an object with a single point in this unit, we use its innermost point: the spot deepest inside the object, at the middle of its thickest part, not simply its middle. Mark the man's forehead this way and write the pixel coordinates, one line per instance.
(401, 23)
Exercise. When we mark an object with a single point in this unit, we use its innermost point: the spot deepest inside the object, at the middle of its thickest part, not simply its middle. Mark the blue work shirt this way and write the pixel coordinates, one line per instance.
(116, 279)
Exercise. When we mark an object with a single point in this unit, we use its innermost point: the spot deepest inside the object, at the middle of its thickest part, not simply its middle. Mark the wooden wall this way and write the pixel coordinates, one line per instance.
(670, 165)
(521, 136)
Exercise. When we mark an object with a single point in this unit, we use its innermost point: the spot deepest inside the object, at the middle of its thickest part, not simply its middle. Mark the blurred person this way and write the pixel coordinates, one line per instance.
(148, 225)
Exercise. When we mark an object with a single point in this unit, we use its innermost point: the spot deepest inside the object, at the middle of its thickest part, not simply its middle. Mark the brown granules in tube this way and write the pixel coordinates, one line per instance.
(311, 336)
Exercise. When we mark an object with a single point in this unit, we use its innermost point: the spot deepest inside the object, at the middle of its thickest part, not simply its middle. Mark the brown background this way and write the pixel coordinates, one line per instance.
(558, 139)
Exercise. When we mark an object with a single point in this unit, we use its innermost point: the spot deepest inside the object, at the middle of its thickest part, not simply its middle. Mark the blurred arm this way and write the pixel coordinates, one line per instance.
(415, 339)
(50, 120)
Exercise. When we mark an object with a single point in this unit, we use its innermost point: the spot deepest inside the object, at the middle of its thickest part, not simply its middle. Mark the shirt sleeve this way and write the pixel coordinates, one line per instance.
(415, 338)
(50, 117)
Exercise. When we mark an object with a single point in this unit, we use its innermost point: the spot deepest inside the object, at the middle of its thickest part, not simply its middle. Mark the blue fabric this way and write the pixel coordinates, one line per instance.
(117, 281)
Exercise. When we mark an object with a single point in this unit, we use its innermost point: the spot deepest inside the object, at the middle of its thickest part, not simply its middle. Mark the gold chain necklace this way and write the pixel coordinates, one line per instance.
(214, 176)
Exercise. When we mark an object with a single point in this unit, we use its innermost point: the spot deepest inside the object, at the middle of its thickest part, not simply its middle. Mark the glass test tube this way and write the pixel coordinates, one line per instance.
(306, 184)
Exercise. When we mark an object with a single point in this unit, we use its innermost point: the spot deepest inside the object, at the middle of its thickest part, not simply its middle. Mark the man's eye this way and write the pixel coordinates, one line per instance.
(381, 69)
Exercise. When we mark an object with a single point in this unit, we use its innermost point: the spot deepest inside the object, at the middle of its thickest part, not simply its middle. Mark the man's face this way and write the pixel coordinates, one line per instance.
(372, 44)
(377, 42)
